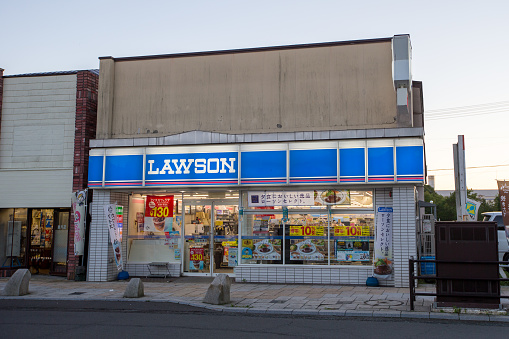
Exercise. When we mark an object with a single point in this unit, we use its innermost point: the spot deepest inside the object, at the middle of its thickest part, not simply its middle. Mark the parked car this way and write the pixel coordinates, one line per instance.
(503, 244)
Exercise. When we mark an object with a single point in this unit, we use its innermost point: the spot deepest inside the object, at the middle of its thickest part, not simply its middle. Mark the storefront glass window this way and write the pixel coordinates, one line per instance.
(356, 200)
(154, 232)
(332, 231)
(41, 239)
(307, 239)
(200, 230)
(262, 238)
(352, 239)
(13, 239)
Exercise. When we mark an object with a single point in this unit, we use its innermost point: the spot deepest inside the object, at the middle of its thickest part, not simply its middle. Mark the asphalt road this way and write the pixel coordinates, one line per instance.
(91, 319)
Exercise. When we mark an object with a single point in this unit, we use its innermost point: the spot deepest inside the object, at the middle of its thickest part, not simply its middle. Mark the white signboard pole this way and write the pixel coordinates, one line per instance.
(460, 178)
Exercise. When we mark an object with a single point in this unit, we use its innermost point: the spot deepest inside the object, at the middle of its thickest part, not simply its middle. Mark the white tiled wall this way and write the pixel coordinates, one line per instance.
(141, 270)
(101, 265)
(99, 244)
(37, 143)
(404, 237)
(303, 275)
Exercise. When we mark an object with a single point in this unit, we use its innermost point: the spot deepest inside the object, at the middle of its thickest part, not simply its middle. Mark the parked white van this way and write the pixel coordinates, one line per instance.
(503, 244)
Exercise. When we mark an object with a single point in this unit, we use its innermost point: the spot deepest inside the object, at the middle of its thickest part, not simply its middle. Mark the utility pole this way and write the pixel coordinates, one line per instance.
(460, 178)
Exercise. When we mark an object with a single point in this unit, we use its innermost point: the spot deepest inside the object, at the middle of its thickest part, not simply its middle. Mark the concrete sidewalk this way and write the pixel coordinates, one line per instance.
(330, 300)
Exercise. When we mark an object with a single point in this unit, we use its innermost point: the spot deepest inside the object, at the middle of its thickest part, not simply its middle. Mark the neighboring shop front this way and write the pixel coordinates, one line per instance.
(36, 238)
(298, 212)
(46, 121)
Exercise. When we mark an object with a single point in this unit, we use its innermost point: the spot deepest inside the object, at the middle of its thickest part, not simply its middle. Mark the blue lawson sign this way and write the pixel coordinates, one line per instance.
(277, 164)
(188, 169)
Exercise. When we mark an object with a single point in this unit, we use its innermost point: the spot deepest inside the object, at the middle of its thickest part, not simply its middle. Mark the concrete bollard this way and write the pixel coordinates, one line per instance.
(18, 283)
(134, 289)
(218, 292)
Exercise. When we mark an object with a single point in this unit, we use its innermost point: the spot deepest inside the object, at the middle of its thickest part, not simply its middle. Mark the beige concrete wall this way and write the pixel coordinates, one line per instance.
(307, 89)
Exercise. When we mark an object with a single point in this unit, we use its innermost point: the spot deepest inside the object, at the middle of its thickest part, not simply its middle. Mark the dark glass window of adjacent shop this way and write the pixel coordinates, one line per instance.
(13, 238)
(34, 238)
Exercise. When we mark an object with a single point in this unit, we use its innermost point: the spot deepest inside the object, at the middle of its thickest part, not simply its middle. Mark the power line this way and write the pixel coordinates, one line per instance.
(471, 167)
(465, 114)
(471, 107)
(467, 111)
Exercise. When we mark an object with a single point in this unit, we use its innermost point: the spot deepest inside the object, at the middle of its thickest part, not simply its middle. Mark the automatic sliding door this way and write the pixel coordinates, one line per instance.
(226, 227)
(196, 226)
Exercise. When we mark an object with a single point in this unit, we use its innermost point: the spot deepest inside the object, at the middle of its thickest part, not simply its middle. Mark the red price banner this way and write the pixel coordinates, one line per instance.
(159, 206)
(196, 254)
(347, 231)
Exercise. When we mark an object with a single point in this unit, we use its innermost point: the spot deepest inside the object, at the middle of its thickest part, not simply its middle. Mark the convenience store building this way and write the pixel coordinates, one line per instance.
(291, 164)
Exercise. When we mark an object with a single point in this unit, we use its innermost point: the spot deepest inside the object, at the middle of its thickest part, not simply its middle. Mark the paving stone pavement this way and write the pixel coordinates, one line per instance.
(298, 299)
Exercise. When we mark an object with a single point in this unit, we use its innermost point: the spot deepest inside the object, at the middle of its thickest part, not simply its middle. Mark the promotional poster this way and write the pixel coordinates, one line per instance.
(383, 243)
(159, 214)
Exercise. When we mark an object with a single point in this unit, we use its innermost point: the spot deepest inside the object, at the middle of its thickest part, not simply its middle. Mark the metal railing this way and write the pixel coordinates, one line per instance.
(413, 278)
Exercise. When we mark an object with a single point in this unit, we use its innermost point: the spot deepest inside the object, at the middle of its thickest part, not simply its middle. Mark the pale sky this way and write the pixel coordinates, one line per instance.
(460, 52)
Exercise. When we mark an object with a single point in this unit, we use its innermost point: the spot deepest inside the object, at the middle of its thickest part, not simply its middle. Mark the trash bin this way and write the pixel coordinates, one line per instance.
(463, 282)
(80, 274)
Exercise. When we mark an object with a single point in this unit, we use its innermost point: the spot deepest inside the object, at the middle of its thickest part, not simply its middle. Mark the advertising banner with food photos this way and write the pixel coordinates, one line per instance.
(269, 198)
(111, 222)
(298, 198)
(383, 243)
(267, 249)
(308, 249)
(332, 197)
(159, 214)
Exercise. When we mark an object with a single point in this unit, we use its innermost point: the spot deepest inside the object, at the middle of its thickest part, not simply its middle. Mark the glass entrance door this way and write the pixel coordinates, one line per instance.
(210, 237)
(225, 235)
(60, 239)
(197, 237)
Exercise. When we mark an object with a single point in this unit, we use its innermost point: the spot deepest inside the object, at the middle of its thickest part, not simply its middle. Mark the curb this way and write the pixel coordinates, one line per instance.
(296, 312)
